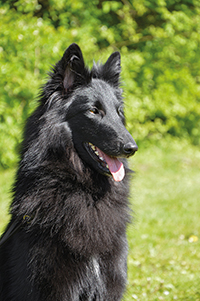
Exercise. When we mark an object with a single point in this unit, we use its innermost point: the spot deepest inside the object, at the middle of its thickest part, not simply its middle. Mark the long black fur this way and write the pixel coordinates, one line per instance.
(74, 246)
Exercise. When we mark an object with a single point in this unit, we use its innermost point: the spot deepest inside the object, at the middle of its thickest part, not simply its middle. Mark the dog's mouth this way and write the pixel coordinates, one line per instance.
(108, 165)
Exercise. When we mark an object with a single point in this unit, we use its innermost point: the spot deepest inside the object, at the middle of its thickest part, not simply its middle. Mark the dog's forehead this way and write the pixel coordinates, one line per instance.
(100, 85)
(98, 91)
(103, 91)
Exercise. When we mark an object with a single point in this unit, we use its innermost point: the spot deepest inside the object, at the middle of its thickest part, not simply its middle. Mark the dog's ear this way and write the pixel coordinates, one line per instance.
(73, 68)
(112, 69)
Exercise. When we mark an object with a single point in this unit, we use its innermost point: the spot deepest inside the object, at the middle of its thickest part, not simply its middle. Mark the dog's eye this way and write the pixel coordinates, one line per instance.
(120, 111)
(94, 111)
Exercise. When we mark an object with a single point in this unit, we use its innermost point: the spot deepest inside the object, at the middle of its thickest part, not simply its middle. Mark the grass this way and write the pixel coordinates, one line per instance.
(164, 239)
(164, 257)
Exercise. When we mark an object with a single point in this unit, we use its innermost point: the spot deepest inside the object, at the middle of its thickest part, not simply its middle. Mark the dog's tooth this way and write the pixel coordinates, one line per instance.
(102, 159)
(92, 146)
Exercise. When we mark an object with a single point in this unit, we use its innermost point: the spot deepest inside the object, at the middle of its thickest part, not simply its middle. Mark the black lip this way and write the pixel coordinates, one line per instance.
(100, 164)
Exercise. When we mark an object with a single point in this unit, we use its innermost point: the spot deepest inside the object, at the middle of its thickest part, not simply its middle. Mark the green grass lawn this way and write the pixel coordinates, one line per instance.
(164, 238)
(164, 257)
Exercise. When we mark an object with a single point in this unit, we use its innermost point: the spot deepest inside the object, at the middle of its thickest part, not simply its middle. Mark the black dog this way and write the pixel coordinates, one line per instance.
(67, 237)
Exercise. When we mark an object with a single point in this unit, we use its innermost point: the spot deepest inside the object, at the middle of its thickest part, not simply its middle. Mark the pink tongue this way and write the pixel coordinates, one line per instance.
(115, 166)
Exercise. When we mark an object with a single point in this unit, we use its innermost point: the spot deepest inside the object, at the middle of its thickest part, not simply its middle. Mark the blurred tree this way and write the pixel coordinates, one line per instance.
(158, 40)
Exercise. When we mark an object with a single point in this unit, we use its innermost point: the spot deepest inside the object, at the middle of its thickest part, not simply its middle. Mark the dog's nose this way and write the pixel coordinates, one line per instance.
(130, 148)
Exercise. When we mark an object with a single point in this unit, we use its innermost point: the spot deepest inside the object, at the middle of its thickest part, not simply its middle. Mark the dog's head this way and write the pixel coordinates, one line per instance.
(92, 108)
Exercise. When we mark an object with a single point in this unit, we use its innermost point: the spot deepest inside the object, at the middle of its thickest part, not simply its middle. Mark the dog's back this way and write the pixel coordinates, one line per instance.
(67, 235)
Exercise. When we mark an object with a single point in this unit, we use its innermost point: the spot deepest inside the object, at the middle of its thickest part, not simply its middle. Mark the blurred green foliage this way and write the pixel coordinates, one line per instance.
(159, 43)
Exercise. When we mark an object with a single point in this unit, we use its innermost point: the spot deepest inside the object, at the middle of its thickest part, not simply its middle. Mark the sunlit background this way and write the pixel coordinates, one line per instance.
(159, 42)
